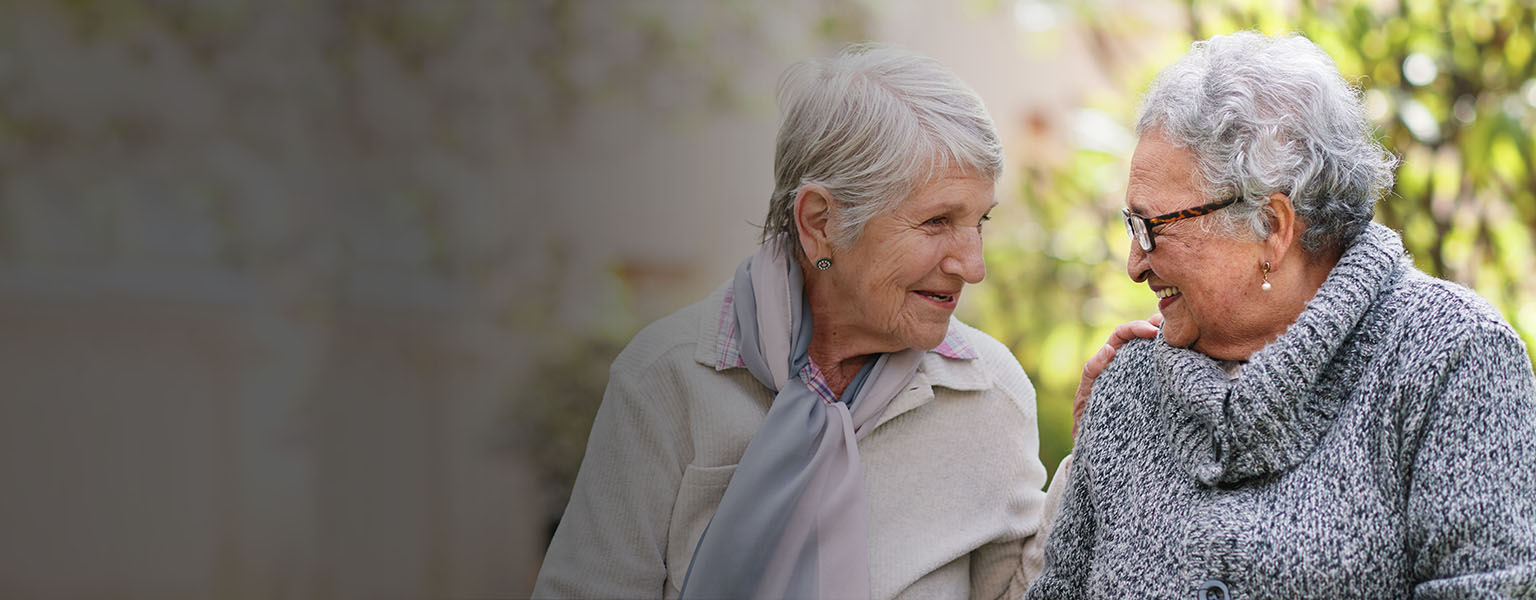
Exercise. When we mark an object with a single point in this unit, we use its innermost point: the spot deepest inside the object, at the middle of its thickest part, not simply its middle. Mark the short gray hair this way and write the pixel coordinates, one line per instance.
(871, 125)
(1265, 115)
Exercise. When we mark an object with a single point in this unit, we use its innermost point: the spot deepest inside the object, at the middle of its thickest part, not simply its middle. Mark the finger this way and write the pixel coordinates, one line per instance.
(1094, 367)
(1130, 331)
(1156, 319)
(1143, 329)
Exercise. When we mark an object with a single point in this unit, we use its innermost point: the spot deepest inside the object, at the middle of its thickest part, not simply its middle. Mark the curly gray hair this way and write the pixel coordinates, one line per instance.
(871, 125)
(1265, 115)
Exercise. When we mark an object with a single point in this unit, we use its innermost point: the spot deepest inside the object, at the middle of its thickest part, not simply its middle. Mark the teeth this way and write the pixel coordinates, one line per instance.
(939, 297)
(1167, 291)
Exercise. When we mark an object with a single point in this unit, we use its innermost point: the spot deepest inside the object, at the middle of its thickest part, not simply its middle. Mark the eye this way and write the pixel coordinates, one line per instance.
(936, 221)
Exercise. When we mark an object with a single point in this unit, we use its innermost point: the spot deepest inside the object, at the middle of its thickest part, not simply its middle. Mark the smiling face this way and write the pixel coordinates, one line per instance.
(1207, 283)
(896, 287)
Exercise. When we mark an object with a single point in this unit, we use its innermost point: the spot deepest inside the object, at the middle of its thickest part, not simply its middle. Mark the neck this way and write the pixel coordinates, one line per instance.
(1292, 289)
(839, 370)
(837, 347)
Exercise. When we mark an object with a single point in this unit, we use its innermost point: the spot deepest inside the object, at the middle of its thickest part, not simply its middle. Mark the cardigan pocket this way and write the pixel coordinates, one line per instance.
(698, 496)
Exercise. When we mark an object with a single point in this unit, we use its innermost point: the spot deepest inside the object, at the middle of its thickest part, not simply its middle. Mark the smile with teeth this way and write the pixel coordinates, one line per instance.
(938, 296)
(1167, 292)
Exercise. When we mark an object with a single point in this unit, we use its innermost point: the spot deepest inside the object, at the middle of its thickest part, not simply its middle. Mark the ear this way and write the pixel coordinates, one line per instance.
(1284, 228)
(813, 219)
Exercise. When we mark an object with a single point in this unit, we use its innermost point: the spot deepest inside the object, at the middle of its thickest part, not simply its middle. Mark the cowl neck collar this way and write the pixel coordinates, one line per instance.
(1270, 417)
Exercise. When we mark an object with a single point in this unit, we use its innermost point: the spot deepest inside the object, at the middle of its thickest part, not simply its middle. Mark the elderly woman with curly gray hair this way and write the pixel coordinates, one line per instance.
(821, 425)
(1317, 418)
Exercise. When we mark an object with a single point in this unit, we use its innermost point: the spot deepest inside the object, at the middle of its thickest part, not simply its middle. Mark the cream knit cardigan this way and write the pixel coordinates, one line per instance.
(952, 471)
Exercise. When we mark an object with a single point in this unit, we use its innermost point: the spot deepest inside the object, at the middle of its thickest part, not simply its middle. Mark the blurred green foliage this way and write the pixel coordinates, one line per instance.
(1450, 85)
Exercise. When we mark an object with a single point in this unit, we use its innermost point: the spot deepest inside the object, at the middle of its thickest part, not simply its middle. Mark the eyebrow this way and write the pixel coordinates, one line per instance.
(949, 207)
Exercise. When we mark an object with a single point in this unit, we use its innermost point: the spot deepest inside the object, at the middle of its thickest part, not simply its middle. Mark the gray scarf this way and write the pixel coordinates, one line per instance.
(792, 522)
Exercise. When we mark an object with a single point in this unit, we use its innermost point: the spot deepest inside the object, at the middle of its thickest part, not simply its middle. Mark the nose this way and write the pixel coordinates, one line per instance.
(965, 258)
(1136, 264)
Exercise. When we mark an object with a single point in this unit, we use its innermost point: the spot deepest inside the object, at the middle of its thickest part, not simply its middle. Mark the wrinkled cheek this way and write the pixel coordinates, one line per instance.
(906, 325)
(894, 307)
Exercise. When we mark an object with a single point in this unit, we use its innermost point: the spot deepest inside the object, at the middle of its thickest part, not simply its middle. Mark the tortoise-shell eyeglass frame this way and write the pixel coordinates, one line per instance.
(1140, 228)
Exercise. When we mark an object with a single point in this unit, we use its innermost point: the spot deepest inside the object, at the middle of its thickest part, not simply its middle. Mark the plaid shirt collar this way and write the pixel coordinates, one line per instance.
(728, 349)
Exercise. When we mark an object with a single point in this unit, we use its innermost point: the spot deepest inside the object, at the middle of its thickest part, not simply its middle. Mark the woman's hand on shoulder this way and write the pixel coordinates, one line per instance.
(1122, 334)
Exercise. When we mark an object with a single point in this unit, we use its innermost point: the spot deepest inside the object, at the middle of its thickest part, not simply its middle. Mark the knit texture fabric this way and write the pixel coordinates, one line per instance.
(1384, 446)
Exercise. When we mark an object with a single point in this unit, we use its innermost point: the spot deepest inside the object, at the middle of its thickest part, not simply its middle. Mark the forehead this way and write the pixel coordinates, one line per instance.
(1163, 177)
(953, 188)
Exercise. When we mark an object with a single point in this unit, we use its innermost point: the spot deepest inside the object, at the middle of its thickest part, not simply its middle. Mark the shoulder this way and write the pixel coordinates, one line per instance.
(1448, 353)
(984, 408)
(1415, 292)
(669, 343)
(1441, 319)
(997, 364)
(1123, 389)
(1127, 371)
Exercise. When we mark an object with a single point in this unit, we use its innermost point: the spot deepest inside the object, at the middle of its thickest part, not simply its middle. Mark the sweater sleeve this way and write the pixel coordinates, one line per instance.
(1034, 548)
(1070, 547)
(612, 540)
(1472, 490)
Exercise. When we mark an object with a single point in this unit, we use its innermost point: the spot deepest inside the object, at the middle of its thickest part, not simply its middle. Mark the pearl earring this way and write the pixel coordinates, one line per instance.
(823, 264)
(1266, 285)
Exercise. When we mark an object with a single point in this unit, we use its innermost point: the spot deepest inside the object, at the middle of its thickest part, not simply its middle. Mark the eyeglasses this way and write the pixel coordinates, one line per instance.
(1140, 228)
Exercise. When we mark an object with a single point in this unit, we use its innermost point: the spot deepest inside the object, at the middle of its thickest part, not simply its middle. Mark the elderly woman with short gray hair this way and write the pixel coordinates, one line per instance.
(822, 426)
(1317, 417)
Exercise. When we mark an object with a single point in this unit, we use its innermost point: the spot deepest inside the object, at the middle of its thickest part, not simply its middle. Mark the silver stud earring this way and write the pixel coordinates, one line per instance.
(1266, 285)
(823, 264)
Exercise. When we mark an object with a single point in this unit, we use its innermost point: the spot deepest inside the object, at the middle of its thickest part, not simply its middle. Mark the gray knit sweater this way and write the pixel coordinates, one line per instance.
(1384, 446)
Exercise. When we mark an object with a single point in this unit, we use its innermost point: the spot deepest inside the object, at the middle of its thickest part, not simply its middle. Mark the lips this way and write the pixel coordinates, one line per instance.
(941, 298)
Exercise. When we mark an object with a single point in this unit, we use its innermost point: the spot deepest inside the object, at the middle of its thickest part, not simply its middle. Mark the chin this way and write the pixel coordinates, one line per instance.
(1179, 339)
(927, 339)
